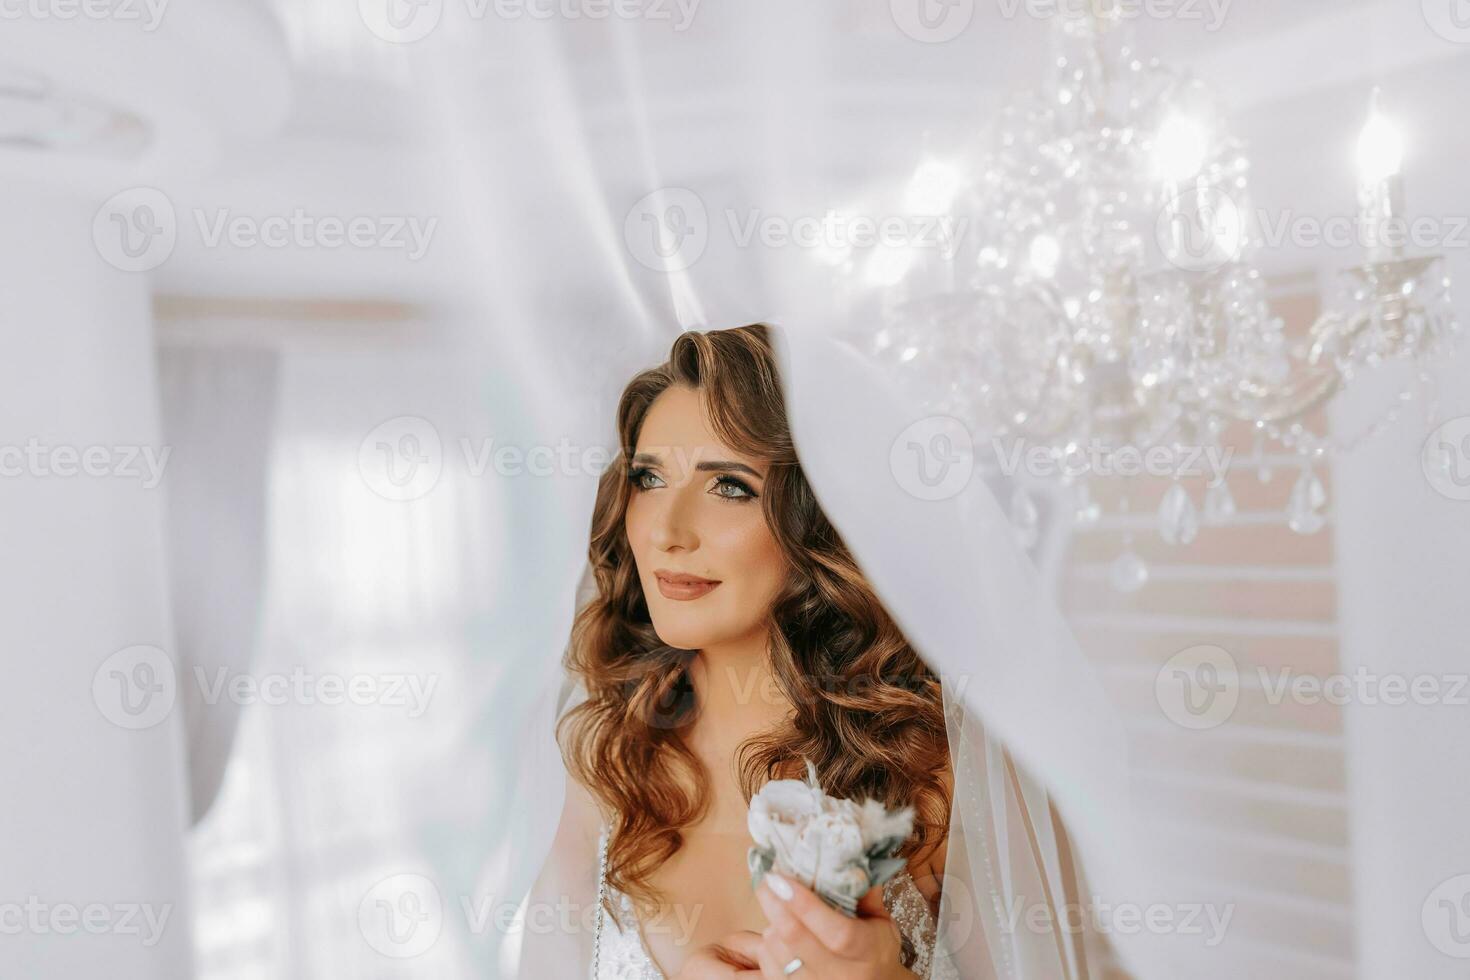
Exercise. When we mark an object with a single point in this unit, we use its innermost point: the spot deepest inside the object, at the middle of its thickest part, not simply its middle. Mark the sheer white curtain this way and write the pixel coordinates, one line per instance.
(369, 751)
(218, 411)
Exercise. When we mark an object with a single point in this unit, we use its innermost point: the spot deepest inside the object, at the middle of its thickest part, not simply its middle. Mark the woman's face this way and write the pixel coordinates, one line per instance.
(695, 517)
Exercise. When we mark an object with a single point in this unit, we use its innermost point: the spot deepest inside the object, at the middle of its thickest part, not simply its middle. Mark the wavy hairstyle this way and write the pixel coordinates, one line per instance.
(868, 711)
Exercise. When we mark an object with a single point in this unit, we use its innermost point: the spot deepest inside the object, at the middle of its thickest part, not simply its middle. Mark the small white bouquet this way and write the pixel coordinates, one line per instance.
(839, 848)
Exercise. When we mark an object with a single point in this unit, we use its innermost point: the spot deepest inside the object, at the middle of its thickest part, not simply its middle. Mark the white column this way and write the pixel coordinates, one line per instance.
(93, 813)
(1404, 565)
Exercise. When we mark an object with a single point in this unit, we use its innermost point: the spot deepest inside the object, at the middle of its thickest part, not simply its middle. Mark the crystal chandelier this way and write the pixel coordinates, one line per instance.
(1105, 298)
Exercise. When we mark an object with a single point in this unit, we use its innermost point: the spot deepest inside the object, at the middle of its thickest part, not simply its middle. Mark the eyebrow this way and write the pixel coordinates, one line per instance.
(707, 465)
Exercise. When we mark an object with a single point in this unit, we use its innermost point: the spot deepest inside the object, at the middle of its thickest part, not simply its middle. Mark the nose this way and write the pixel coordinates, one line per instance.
(673, 526)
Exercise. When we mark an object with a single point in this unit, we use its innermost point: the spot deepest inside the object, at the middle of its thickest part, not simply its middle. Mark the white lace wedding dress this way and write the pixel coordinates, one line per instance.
(620, 954)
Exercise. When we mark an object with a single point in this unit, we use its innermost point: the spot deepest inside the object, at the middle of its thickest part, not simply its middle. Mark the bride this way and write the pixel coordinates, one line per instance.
(732, 636)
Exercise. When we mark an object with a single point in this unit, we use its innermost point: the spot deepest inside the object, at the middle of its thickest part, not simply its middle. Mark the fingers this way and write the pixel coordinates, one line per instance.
(871, 905)
(790, 938)
(734, 956)
(742, 948)
(774, 958)
(816, 961)
(707, 965)
(838, 933)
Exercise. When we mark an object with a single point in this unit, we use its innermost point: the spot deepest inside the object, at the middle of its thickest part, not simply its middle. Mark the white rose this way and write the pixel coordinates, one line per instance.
(778, 810)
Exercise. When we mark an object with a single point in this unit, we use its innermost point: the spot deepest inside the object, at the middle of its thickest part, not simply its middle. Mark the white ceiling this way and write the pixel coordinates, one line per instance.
(316, 112)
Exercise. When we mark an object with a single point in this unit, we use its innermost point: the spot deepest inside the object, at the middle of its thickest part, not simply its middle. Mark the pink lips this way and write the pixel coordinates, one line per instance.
(683, 587)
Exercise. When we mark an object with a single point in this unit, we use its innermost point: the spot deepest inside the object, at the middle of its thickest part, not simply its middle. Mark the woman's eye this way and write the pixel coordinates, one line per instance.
(640, 478)
(732, 489)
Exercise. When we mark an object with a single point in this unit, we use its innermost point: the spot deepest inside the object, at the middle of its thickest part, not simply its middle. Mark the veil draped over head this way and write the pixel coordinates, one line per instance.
(970, 600)
(618, 178)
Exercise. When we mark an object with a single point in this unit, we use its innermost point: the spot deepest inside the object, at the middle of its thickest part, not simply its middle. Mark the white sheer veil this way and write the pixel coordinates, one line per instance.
(594, 134)
(954, 577)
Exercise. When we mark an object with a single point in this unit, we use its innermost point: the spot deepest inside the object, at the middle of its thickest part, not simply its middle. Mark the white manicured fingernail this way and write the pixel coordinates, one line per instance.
(780, 886)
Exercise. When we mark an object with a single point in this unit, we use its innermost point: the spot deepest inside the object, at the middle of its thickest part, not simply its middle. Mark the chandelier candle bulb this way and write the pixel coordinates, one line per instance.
(1380, 184)
(1180, 149)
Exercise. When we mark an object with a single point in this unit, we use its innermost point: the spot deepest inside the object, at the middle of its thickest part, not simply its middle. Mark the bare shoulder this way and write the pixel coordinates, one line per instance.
(570, 865)
(580, 814)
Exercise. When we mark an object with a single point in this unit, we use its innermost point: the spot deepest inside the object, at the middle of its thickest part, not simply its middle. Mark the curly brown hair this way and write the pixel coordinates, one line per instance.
(868, 711)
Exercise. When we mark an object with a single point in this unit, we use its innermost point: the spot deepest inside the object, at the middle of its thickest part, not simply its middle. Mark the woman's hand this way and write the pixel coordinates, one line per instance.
(830, 945)
(733, 956)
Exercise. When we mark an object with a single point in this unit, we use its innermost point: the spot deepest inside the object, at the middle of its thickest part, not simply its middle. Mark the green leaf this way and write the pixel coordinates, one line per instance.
(885, 868)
